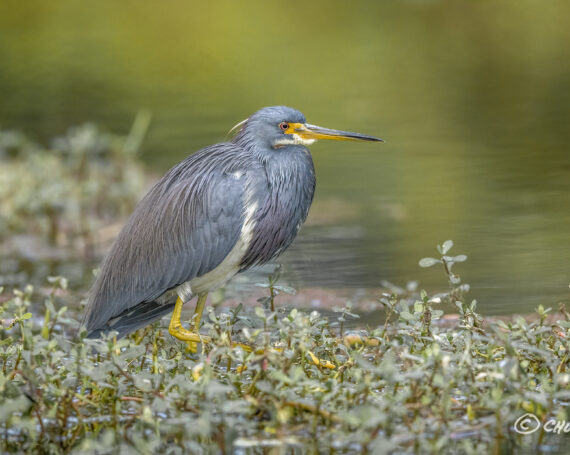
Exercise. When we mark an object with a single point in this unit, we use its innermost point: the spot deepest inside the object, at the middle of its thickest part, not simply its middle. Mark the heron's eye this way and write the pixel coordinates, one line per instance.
(284, 126)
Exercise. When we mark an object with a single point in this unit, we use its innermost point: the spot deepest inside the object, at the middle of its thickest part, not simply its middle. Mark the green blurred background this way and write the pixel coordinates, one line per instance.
(472, 97)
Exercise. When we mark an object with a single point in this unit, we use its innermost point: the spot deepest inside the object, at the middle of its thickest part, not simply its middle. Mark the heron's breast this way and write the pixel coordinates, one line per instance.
(281, 215)
(231, 264)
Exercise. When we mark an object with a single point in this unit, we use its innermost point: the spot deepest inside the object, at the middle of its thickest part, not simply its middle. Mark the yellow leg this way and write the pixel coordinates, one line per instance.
(200, 305)
(192, 336)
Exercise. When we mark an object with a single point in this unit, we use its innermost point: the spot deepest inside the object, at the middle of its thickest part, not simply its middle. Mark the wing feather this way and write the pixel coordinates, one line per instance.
(183, 228)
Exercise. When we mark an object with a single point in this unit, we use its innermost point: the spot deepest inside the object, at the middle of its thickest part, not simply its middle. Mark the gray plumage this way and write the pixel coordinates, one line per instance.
(222, 210)
(192, 220)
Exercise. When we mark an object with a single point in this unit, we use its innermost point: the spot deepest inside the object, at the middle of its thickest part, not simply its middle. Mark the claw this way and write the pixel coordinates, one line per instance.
(192, 337)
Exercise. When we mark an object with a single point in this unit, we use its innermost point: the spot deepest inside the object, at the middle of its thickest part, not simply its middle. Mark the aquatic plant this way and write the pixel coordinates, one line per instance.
(412, 385)
(272, 380)
(63, 195)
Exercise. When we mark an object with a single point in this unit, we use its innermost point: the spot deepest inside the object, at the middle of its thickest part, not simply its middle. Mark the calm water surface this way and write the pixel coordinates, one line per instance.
(473, 100)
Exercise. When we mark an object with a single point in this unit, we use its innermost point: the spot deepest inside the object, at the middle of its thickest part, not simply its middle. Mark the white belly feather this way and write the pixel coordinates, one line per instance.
(229, 266)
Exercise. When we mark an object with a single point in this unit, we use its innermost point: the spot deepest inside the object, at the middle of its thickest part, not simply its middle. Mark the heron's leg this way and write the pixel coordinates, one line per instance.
(200, 305)
(178, 331)
(195, 323)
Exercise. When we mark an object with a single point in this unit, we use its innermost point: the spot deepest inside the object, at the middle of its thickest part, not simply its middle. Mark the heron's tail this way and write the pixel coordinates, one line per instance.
(133, 318)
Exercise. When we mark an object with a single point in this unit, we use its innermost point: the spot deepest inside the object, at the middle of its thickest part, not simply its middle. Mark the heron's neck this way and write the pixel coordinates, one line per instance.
(289, 167)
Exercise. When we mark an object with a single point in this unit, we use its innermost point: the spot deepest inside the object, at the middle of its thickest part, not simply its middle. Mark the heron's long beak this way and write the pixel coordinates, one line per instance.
(308, 131)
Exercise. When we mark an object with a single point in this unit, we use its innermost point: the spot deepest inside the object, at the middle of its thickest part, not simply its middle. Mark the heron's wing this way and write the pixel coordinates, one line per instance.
(133, 318)
(183, 228)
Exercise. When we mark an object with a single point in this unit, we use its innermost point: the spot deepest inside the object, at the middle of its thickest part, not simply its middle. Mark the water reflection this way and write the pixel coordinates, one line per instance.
(475, 111)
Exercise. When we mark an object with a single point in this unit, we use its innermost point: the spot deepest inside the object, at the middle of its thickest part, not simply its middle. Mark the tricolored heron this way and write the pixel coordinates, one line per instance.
(222, 210)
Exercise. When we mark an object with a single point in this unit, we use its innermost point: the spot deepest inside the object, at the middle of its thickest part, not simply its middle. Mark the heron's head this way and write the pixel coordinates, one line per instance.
(277, 127)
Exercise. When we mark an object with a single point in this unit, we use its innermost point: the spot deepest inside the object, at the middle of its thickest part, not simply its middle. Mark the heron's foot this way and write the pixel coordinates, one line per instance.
(192, 337)
(192, 346)
(177, 331)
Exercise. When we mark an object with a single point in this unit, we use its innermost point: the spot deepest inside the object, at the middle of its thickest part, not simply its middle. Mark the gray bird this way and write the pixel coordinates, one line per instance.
(223, 210)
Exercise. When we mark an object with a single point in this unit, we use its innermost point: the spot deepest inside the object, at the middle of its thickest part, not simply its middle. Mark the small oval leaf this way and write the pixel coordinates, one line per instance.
(428, 262)
(446, 246)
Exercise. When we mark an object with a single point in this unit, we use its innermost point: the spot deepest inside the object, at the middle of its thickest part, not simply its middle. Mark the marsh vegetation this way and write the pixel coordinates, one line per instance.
(420, 382)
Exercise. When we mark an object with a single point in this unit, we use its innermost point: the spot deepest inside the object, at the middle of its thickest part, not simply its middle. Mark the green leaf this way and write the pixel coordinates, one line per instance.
(280, 376)
(285, 289)
(407, 316)
(436, 314)
(143, 384)
(428, 262)
(502, 324)
(446, 246)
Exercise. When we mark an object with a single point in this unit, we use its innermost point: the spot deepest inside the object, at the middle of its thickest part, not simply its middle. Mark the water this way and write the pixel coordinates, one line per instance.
(473, 100)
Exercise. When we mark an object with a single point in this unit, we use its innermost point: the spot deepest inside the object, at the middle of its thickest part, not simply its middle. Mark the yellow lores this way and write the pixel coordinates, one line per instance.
(309, 132)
